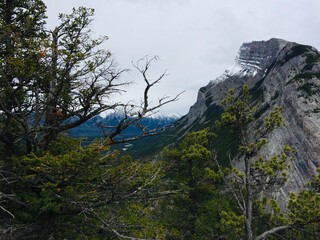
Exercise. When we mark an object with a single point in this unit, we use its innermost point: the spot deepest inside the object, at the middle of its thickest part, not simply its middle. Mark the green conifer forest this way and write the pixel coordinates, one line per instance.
(54, 187)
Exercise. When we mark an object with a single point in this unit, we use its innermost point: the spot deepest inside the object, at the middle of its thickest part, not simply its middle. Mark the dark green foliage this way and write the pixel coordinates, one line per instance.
(226, 146)
(303, 77)
(195, 210)
(258, 215)
(51, 80)
(261, 110)
(53, 187)
(212, 113)
(21, 38)
(296, 51)
(304, 211)
(312, 59)
(256, 92)
(246, 184)
(309, 88)
(208, 101)
(73, 191)
(306, 73)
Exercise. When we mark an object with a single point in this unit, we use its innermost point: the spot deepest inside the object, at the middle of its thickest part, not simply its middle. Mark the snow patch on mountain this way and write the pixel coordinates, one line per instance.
(240, 68)
(161, 116)
(251, 58)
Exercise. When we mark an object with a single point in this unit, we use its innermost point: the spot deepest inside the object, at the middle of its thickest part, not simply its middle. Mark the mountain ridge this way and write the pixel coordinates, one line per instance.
(243, 74)
(278, 73)
(92, 128)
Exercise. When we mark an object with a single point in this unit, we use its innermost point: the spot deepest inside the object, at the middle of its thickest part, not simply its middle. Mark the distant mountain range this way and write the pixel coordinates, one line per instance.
(91, 129)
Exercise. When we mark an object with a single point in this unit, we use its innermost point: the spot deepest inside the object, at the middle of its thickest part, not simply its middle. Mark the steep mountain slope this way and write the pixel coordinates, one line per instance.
(251, 65)
(279, 73)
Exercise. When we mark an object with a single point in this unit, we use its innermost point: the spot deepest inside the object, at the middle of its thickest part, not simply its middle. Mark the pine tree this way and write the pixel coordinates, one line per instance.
(52, 81)
(252, 183)
(21, 38)
(55, 80)
(193, 211)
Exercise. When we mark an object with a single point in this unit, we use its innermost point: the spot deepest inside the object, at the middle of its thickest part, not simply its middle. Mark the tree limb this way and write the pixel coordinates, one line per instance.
(272, 231)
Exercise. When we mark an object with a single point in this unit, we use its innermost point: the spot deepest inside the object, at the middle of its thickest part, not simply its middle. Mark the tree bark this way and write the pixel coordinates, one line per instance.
(272, 231)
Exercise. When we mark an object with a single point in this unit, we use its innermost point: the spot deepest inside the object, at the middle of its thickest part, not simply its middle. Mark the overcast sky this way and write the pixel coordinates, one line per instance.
(196, 40)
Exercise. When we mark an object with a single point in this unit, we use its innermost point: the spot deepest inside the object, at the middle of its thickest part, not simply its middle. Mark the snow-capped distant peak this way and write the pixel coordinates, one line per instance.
(165, 116)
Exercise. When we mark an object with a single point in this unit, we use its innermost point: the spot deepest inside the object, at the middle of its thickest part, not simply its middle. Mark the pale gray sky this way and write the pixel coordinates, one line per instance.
(196, 40)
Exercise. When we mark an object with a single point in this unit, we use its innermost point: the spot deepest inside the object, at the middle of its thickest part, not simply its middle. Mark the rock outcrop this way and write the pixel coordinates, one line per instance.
(250, 66)
(279, 73)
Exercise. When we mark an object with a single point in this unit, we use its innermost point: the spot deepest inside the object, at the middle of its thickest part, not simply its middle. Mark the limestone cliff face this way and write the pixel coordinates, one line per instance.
(250, 65)
(279, 73)
(293, 83)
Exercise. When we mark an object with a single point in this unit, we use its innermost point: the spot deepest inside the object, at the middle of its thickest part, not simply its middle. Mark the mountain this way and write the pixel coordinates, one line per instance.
(278, 73)
(91, 130)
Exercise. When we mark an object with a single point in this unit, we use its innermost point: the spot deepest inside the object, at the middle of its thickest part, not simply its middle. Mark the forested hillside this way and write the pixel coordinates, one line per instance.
(55, 187)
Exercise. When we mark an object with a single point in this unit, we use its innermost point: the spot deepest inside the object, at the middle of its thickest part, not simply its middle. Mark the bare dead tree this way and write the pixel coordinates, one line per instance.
(132, 114)
(72, 80)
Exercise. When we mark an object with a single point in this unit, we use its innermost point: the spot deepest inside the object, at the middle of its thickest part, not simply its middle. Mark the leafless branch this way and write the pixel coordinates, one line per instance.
(7, 211)
(132, 114)
(272, 231)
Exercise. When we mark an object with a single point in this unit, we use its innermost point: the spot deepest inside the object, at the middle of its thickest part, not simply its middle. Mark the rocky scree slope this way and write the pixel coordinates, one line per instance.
(279, 73)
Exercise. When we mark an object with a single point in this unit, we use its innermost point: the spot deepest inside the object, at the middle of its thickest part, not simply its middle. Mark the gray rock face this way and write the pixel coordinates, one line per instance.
(260, 54)
(294, 84)
(279, 73)
(250, 65)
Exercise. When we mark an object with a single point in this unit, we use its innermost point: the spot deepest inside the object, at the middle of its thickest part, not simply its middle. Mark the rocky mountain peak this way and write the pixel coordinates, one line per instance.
(278, 73)
(259, 54)
(251, 64)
